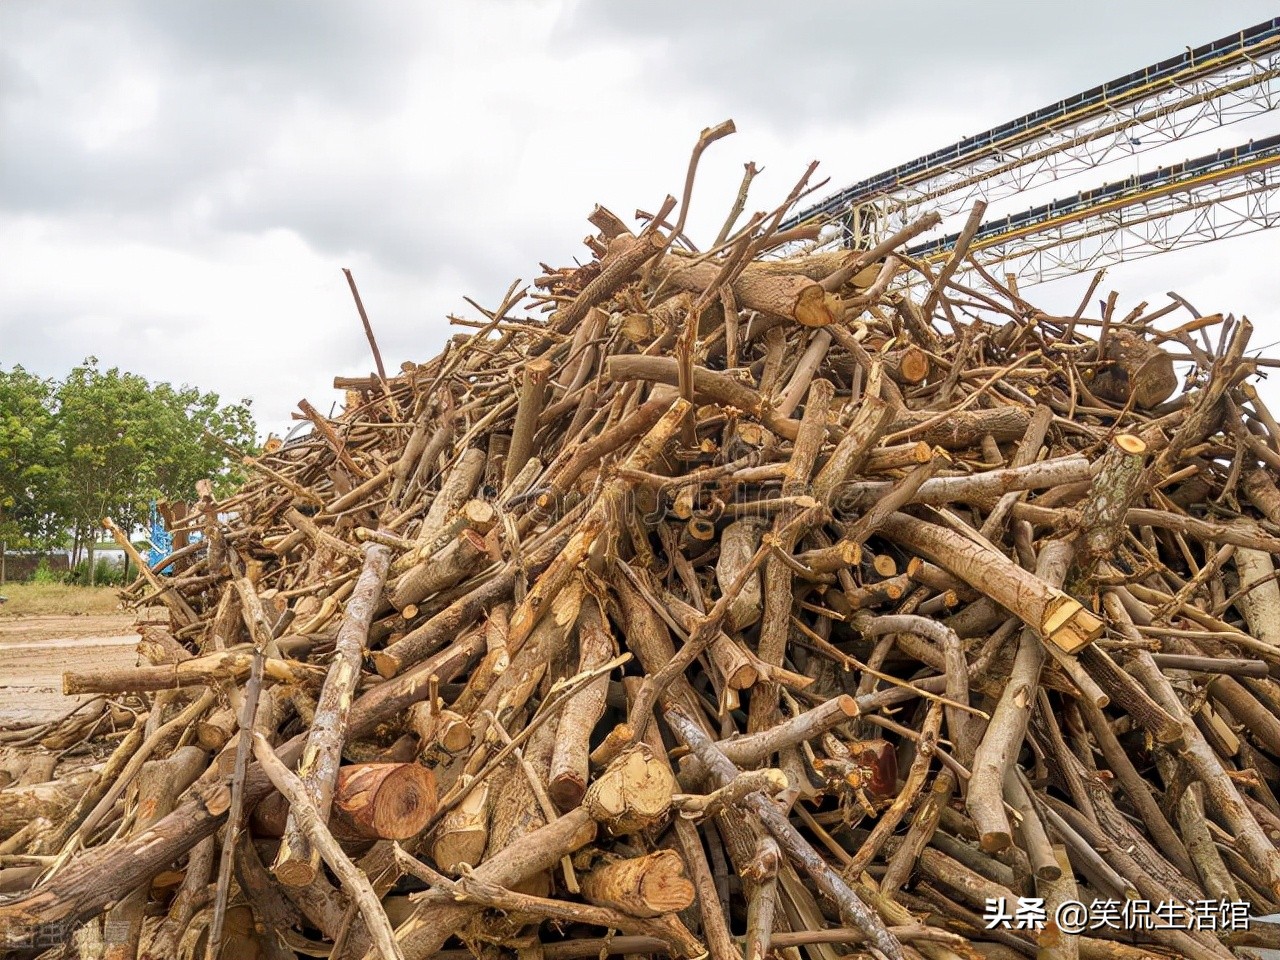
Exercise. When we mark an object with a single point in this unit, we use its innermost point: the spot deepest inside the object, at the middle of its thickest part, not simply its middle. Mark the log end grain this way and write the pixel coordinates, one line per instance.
(385, 801)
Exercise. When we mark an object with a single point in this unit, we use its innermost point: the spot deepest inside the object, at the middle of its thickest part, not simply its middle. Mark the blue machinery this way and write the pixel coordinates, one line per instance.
(161, 540)
(1221, 194)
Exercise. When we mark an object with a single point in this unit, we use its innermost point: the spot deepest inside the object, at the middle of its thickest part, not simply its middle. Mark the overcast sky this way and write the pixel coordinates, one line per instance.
(181, 183)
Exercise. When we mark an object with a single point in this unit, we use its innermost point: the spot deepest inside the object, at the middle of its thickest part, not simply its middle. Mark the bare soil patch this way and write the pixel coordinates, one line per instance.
(34, 652)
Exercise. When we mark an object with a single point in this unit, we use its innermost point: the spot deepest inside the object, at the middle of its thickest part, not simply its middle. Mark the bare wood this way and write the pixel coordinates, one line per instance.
(297, 863)
(159, 784)
(778, 596)
(648, 886)
(1137, 370)
(309, 820)
(797, 298)
(995, 754)
(52, 800)
(447, 568)
(463, 834)
(739, 542)
(763, 872)
(633, 794)
(570, 768)
(708, 387)
(528, 409)
(383, 801)
(592, 525)
(1054, 615)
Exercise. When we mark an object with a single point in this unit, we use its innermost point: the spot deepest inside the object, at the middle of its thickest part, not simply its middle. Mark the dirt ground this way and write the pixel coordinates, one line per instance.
(35, 650)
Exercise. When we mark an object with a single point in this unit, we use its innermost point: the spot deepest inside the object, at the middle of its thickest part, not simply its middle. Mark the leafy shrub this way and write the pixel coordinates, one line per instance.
(46, 574)
(106, 573)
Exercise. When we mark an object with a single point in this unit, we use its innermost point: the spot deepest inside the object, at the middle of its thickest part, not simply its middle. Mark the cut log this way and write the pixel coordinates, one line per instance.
(383, 801)
(797, 298)
(634, 794)
(1136, 370)
(642, 886)
(1056, 617)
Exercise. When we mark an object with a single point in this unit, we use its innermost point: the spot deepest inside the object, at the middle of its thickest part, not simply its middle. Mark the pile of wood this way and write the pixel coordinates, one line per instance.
(717, 602)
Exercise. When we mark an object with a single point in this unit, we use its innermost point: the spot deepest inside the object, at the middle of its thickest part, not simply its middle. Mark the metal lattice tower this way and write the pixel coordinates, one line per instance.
(1231, 79)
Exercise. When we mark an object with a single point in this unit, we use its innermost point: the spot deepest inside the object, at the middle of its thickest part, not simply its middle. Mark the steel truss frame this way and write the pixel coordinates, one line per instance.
(1223, 82)
(1236, 203)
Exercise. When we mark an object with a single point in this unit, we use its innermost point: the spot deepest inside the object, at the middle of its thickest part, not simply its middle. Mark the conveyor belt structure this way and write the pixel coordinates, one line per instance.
(1231, 79)
(1225, 193)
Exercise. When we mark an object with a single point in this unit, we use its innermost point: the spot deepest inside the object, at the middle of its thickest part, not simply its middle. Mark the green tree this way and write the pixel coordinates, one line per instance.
(191, 436)
(126, 442)
(32, 512)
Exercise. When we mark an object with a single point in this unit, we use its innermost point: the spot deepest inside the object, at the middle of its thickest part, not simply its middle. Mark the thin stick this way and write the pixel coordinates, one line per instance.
(248, 711)
(368, 329)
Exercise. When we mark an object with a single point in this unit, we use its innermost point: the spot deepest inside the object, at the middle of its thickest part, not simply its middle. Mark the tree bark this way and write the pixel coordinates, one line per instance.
(297, 863)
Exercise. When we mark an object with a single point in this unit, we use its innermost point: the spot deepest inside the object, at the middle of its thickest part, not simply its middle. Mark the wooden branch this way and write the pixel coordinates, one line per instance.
(529, 408)
(179, 609)
(210, 670)
(311, 823)
(1113, 492)
(570, 763)
(1055, 616)
(993, 760)
(852, 909)
(296, 863)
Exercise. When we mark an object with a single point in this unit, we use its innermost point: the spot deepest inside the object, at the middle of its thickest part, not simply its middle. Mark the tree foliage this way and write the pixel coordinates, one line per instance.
(106, 443)
(31, 505)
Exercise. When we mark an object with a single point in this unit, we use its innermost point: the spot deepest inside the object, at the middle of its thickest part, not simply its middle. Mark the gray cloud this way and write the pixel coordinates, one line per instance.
(181, 181)
(810, 63)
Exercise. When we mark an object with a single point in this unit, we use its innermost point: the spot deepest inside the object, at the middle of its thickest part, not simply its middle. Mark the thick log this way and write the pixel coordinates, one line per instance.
(463, 833)
(997, 750)
(642, 886)
(160, 782)
(532, 394)
(570, 764)
(383, 801)
(447, 568)
(1136, 370)
(795, 297)
(51, 800)
(1056, 617)
(961, 429)
(739, 542)
(634, 794)
(1113, 492)
(210, 670)
(309, 819)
